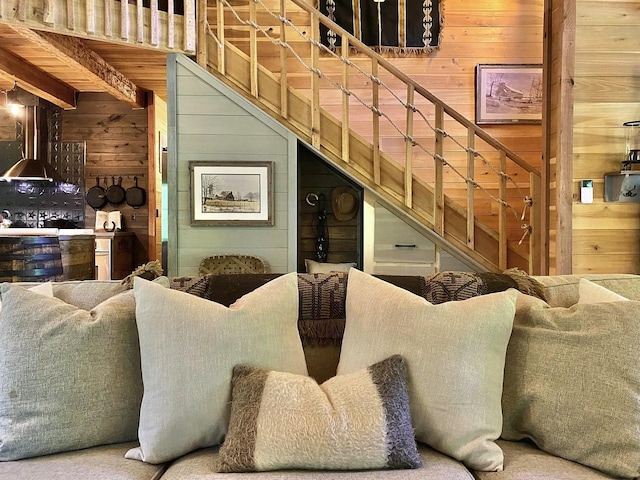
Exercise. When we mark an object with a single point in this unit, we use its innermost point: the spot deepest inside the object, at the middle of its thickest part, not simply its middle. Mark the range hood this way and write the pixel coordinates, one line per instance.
(32, 167)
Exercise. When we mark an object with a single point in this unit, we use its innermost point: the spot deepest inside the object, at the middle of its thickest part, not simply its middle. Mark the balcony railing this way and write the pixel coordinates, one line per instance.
(168, 25)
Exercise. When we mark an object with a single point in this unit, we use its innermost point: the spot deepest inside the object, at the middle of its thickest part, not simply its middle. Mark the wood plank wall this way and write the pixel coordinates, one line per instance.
(493, 31)
(159, 141)
(345, 236)
(117, 145)
(606, 236)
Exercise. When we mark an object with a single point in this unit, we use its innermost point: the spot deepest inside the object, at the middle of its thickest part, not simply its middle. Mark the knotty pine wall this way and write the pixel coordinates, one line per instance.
(345, 236)
(606, 236)
(493, 31)
(117, 145)
(157, 140)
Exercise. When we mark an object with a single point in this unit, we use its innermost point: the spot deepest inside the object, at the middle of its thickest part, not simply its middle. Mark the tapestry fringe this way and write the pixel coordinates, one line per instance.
(390, 51)
(525, 283)
(321, 332)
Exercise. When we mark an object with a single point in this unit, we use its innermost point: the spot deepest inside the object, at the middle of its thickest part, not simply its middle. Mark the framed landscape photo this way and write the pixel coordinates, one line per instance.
(231, 193)
(508, 93)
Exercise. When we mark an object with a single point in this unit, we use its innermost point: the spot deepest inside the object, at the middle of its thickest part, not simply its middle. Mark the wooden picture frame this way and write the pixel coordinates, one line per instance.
(232, 193)
(508, 94)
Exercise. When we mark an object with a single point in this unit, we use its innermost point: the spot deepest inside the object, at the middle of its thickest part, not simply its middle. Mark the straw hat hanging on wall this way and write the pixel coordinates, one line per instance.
(345, 202)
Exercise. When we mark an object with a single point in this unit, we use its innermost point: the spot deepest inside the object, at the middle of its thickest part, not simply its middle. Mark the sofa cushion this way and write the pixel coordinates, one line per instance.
(86, 294)
(563, 290)
(200, 465)
(572, 382)
(523, 461)
(351, 422)
(45, 289)
(97, 463)
(590, 292)
(188, 348)
(69, 378)
(455, 359)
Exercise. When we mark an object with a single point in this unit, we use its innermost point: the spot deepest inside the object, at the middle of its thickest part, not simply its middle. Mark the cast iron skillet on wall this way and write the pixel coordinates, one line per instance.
(115, 193)
(136, 196)
(96, 197)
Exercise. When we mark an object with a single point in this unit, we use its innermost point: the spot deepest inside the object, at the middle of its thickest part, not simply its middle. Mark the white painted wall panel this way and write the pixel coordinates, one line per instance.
(214, 123)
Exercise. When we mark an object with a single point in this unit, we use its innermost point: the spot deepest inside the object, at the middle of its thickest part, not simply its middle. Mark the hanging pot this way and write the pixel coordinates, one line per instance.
(136, 196)
(96, 197)
(115, 193)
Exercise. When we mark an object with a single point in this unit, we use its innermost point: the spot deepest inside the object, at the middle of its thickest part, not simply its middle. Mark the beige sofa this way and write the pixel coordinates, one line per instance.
(522, 459)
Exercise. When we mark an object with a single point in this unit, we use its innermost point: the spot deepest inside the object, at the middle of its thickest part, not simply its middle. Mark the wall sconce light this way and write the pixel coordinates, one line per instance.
(13, 102)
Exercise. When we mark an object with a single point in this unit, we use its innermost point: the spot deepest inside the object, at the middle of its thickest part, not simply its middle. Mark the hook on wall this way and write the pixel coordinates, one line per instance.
(313, 196)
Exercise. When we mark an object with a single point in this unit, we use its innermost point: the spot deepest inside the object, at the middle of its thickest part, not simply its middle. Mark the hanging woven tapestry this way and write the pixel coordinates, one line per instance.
(398, 26)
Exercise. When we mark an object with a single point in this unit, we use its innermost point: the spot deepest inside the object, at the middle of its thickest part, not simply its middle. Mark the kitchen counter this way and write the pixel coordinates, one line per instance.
(45, 232)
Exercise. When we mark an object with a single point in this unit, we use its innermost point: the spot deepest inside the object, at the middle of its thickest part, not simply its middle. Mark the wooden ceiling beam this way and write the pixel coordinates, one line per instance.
(75, 54)
(36, 81)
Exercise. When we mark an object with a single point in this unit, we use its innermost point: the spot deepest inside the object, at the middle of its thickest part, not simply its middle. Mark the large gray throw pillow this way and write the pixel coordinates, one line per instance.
(572, 383)
(188, 348)
(69, 378)
(455, 359)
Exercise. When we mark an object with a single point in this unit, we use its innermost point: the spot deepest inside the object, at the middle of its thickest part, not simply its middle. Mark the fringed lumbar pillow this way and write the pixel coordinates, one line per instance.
(285, 421)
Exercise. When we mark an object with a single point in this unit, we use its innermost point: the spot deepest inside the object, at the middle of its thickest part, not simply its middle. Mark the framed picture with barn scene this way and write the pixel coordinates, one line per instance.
(508, 93)
(231, 193)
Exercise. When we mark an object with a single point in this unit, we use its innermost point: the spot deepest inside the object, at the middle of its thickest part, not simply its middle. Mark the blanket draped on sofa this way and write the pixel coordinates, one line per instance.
(322, 322)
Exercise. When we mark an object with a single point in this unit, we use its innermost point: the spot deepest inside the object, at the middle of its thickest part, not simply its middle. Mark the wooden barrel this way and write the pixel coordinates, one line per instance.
(30, 259)
(78, 256)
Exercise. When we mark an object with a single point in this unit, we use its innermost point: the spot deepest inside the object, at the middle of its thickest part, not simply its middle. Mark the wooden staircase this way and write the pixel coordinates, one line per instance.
(468, 166)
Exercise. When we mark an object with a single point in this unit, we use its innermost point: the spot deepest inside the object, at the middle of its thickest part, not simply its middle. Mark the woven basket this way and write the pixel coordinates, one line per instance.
(231, 264)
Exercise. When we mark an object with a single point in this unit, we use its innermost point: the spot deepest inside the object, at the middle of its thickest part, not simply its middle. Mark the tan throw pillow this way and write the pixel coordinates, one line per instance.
(188, 348)
(69, 378)
(455, 360)
(286, 421)
(318, 267)
(572, 383)
(590, 292)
